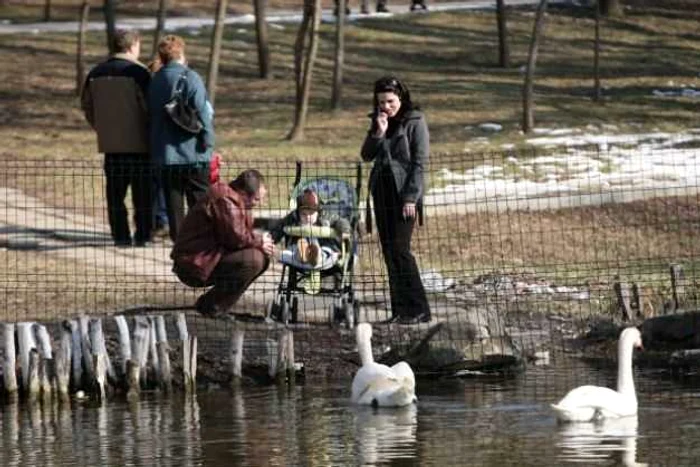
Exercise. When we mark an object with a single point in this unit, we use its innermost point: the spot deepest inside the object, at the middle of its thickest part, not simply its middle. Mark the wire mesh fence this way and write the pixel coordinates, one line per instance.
(519, 253)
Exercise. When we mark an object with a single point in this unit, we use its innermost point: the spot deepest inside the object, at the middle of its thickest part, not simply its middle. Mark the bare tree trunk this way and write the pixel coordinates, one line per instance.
(47, 10)
(503, 49)
(160, 26)
(336, 93)
(596, 55)
(215, 51)
(79, 61)
(312, 15)
(261, 33)
(528, 118)
(611, 8)
(110, 22)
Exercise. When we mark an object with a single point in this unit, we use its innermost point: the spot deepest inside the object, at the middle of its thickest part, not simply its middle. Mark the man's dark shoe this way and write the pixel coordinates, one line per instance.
(143, 243)
(391, 320)
(122, 243)
(422, 318)
(381, 8)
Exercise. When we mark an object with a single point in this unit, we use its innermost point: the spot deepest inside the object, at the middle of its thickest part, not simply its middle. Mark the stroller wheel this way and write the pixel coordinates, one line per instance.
(284, 312)
(331, 315)
(294, 311)
(356, 311)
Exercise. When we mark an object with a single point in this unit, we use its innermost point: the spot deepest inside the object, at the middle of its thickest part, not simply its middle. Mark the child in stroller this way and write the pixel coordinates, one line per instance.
(321, 240)
(310, 253)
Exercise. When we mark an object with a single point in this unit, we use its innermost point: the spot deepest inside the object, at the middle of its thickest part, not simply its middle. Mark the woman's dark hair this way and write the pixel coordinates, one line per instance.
(248, 181)
(393, 84)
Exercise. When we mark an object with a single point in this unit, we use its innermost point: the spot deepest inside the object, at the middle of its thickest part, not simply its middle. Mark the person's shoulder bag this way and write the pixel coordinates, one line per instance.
(182, 114)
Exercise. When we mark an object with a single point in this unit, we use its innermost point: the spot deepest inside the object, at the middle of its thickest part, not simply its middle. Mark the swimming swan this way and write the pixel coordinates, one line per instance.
(379, 385)
(587, 403)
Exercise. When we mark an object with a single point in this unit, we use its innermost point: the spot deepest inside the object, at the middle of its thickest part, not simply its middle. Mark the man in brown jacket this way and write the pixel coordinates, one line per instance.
(217, 246)
(114, 102)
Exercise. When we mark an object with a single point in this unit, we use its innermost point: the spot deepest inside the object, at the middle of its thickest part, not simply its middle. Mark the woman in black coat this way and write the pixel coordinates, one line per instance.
(399, 143)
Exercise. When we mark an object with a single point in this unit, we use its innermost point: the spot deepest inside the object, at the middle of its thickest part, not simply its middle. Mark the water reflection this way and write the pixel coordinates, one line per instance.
(147, 432)
(384, 434)
(598, 442)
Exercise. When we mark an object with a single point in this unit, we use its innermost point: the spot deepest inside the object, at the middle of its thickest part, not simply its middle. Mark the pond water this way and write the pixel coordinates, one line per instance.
(456, 422)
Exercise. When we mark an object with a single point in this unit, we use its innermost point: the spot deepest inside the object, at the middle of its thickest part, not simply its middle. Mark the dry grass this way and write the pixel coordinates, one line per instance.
(448, 59)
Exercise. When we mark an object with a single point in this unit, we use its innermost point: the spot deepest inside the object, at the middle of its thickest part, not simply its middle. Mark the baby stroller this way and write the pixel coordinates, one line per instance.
(338, 198)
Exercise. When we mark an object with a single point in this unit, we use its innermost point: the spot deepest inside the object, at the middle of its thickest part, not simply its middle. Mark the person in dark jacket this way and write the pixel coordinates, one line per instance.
(217, 246)
(114, 100)
(398, 142)
(182, 157)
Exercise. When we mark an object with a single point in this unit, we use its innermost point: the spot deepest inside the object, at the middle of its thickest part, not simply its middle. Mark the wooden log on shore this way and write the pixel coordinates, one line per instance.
(9, 368)
(26, 343)
(165, 375)
(63, 362)
(124, 342)
(237, 354)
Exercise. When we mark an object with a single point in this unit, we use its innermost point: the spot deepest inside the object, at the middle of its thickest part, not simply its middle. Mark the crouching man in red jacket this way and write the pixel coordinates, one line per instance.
(216, 245)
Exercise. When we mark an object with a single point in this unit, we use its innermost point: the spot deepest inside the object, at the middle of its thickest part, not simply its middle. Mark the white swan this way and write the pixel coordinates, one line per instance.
(379, 385)
(587, 403)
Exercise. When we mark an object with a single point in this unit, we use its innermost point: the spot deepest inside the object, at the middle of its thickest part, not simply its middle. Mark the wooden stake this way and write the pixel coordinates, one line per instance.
(193, 363)
(86, 348)
(101, 363)
(63, 363)
(133, 373)
(26, 342)
(272, 358)
(237, 354)
(186, 362)
(152, 349)
(139, 349)
(182, 327)
(33, 374)
(622, 291)
(282, 357)
(124, 342)
(677, 284)
(163, 354)
(291, 368)
(77, 352)
(9, 368)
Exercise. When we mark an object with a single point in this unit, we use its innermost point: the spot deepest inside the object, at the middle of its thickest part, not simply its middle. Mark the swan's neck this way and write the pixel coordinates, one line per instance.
(364, 347)
(625, 378)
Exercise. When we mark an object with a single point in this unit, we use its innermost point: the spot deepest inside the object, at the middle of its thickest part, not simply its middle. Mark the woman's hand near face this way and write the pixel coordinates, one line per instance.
(409, 210)
(382, 123)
